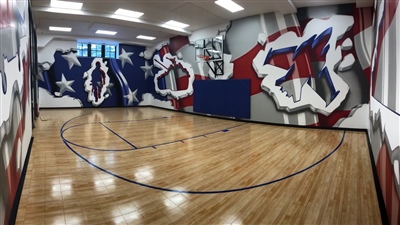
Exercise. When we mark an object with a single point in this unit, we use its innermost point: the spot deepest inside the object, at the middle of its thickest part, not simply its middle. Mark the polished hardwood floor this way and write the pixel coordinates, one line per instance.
(153, 166)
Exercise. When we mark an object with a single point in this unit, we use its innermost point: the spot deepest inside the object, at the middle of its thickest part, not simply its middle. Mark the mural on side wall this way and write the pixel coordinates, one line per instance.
(15, 126)
(318, 78)
(305, 68)
(301, 92)
(385, 104)
(72, 81)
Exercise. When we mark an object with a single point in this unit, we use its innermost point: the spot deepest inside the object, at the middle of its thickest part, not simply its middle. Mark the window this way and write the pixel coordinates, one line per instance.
(110, 51)
(97, 50)
(82, 49)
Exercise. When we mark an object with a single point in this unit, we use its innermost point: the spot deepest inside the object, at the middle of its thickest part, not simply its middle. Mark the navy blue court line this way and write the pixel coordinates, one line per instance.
(139, 148)
(62, 130)
(118, 136)
(81, 146)
(215, 191)
(62, 127)
(197, 136)
(116, 121)
(124, 121)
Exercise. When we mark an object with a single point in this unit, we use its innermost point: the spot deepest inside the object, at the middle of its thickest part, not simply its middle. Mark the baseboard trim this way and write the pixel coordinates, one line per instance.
(260, 122)
(14, 210)
(381, 201)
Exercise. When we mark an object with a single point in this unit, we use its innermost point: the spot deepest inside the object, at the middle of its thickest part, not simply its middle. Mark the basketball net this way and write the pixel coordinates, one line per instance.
(204, 57)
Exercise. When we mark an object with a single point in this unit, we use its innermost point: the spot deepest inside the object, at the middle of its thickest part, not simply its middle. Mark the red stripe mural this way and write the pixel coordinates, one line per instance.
(384, 106)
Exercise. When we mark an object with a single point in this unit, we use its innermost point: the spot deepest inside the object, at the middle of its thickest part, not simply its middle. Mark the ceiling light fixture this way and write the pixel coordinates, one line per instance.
(106, 32)
(66, 4)
(128, 13)
(173, 28)
(145, 37)
(63, 29)
(65, 7)
(119, 17)
(176, 24)
(229, 5)
(65, 11)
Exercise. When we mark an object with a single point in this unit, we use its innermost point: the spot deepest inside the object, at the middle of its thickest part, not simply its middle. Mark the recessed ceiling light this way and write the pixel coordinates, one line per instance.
(176, 24)
(172, 27)
(66, 4)
(229, 5)
(65, 11)
(145, 37)
(128, 13)
(64, 29)
(106, 32)
(120, 17)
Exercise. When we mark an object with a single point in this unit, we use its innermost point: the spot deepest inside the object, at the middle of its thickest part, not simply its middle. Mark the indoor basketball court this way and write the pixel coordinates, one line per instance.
(153, 166)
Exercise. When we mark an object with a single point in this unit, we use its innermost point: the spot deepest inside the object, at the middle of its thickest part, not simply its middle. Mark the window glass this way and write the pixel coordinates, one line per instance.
(82, 49)
(110, 51)
(96, 50)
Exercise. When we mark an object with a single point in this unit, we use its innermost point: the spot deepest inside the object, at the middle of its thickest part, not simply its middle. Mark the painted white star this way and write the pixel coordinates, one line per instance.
(72, 59)
(125, 57)
(147, 70)
(65, 85)
(131, 97)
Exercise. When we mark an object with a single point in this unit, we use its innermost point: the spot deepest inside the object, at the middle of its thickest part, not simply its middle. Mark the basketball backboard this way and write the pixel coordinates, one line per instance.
(210, 50)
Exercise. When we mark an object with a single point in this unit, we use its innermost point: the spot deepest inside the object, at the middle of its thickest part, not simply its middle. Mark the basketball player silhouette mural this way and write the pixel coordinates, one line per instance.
(96, 82)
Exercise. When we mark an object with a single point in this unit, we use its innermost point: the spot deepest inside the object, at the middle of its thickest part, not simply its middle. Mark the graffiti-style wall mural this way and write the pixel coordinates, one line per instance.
(72, 81)
(310, 68)
(15, 113)
(385, 104)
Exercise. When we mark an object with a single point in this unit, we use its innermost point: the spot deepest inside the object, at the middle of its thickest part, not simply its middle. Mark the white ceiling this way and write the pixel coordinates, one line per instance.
(198, 14)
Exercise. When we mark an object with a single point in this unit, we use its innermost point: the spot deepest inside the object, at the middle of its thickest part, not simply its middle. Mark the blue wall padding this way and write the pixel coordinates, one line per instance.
(222, 97)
